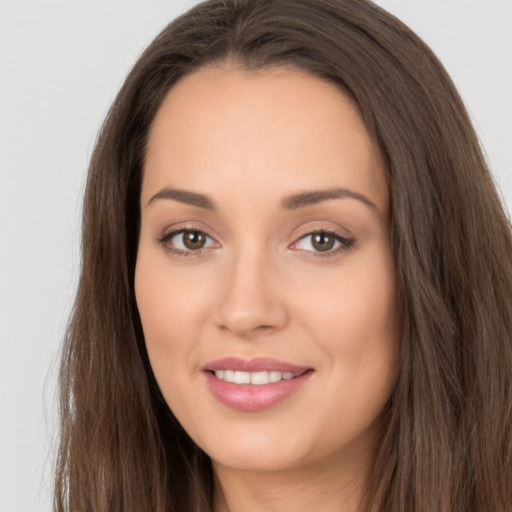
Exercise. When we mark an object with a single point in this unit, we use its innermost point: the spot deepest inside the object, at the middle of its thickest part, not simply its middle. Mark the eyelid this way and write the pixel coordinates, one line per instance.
(322, 226)
(345, 242)
(171, 232)
(174, 234)
(173, 229)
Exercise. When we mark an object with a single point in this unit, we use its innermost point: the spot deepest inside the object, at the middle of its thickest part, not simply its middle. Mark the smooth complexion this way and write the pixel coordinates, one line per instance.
(240, 257)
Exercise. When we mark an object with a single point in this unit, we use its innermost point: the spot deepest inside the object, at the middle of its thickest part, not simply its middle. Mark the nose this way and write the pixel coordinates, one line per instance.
(250, 302)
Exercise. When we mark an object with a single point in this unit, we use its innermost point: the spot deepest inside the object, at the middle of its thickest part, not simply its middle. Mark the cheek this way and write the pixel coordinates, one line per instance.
(169, 308)
(170, 301)
(355, 310)
(157, 305)
(354, 323)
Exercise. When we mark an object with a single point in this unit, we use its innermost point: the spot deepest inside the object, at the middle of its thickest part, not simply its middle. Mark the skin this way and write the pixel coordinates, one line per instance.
(259, 287)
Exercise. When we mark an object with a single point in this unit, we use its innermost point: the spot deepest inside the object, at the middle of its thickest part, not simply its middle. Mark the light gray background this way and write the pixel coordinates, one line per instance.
(61, 63)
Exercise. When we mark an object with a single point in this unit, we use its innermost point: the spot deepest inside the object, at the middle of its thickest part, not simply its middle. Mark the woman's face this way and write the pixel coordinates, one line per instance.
(264, 259)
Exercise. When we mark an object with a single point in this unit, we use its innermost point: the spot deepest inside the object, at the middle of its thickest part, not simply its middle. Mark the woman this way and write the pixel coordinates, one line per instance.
(295, 286)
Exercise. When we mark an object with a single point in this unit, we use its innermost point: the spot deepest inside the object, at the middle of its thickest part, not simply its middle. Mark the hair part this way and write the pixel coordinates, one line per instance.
(447, 443)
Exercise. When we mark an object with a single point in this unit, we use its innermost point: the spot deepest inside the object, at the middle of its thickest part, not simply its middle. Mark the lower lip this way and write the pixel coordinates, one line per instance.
(252, 398)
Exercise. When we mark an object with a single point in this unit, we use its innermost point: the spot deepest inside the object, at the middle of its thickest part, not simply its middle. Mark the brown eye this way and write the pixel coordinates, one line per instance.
(194, 240)
(323, 241)
(187, 241)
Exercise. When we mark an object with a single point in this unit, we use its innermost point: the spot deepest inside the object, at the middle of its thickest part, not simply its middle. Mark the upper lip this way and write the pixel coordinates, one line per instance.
(257, 364)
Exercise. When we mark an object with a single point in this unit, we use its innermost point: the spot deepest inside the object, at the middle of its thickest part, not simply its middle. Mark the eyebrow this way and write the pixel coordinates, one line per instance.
(293, 202)
(183, 196)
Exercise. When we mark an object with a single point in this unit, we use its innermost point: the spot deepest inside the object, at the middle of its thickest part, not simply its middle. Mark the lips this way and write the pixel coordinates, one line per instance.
(258, 364)
(255, 384)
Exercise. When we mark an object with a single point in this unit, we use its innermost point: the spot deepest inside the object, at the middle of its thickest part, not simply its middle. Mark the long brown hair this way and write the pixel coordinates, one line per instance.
(447, 444)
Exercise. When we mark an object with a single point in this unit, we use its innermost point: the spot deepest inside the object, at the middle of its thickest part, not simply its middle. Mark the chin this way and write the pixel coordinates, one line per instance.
(254, 450)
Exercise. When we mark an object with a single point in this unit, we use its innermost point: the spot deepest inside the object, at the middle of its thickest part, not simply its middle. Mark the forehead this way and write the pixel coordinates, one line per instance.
(268, 132)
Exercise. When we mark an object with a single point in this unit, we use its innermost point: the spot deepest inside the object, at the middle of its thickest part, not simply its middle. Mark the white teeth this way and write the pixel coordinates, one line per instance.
(255, 378)
(242, 378)
(259, 378)
(274, 376)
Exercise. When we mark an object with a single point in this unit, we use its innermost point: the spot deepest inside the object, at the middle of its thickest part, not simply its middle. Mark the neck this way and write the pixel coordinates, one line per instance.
(331, 487)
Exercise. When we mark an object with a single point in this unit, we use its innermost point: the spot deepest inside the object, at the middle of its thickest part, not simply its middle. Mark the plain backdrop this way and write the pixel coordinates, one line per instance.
(61, 63)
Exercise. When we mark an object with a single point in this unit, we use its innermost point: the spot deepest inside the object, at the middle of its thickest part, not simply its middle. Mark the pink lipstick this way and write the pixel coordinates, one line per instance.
(255, 384)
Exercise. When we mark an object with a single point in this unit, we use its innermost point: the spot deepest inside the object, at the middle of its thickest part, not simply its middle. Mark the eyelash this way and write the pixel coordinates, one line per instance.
(345, 243)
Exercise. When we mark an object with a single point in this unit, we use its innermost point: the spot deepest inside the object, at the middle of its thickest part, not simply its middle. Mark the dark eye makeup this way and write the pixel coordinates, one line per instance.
(319, 243)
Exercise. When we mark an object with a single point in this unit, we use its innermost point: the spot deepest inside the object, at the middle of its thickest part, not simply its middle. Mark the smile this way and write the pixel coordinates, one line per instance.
(254, 378)
(256, 384)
